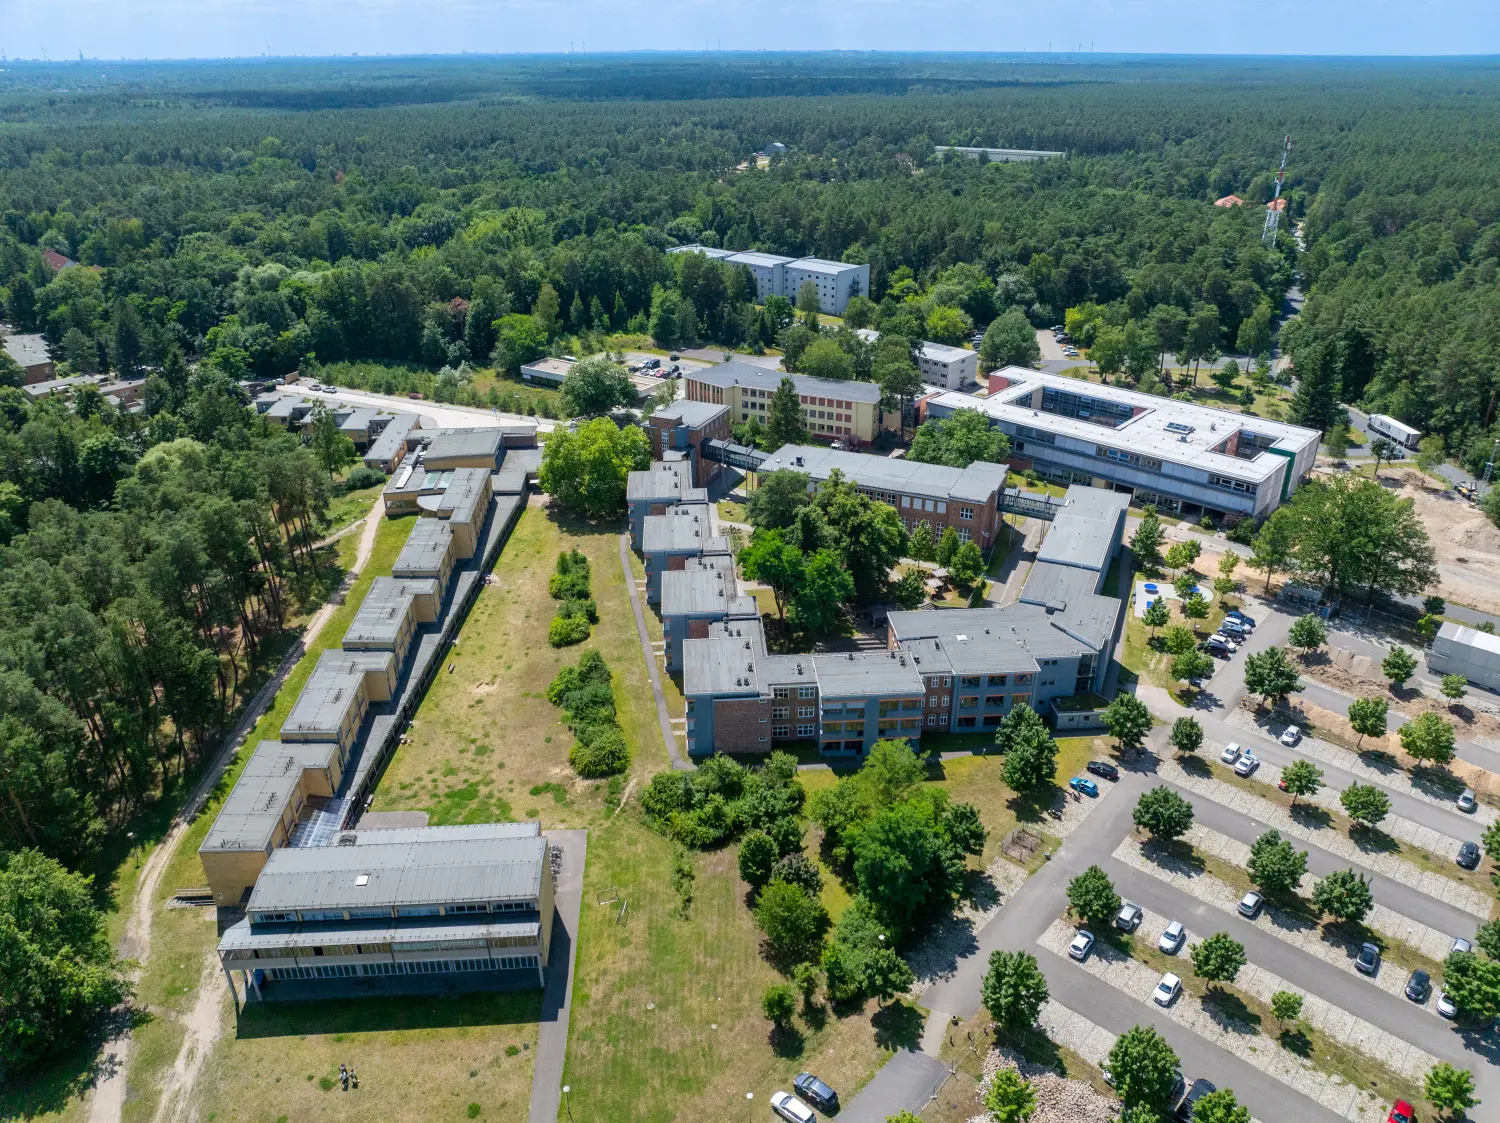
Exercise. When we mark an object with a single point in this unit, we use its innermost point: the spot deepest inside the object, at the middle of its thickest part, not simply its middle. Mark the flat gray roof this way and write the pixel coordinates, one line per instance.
(358, 420)
(683, 527)
(466, 494)
(28, 350)
(1030, 625)
(822, 265)
(381, 871)
(977, 652)
(1082, 533)
(706, 251)
(456, 444)
(860, 674)
(385, 610)
(393, 436)
(735, 373)
(764, 260)
(404, 935)
(703, 586)
(942, 353)
(428, 548)
(727, 662)
(694, 415)
(660, 481)
(254, 806)
(978, 483)
(330, 691)
(528, 460)
(787, 670)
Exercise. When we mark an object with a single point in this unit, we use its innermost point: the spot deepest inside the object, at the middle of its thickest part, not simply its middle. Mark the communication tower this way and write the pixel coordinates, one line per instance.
(1273, 211)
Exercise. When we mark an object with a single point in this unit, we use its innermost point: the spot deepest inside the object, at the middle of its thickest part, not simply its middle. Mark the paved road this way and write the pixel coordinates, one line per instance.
(557, 998)
(1330, 699)
(447, 416)
(907, 1082)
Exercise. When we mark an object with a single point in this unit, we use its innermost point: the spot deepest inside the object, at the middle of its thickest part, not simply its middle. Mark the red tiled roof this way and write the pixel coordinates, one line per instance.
(1276, 205)
(1229, 201)
(56, 261)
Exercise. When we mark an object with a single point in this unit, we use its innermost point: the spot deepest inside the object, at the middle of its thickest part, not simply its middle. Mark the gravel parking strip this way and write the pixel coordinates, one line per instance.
(1133, 978)
(1445, 889)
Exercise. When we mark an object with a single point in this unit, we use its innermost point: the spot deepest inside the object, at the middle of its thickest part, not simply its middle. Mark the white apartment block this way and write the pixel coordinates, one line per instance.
(1183, 457)
(950, 368)
(835, 281)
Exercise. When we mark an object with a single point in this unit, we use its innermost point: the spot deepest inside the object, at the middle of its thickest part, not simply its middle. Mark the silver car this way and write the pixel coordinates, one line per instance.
(1171, 939)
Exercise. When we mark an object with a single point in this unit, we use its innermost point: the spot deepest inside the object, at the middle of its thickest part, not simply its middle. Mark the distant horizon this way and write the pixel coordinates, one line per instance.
(231, 30)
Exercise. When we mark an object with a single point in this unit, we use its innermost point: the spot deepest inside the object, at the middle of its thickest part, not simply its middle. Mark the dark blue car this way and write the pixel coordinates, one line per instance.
(815, 1092)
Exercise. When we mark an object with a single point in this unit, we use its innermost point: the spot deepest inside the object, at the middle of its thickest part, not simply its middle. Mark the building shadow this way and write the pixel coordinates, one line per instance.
(361, 1014)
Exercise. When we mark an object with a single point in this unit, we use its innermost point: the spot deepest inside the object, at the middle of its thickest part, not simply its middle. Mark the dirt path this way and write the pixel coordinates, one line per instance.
(202, 1022)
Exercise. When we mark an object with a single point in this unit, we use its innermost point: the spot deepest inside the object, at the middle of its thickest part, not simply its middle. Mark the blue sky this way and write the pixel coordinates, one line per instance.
(220, 28)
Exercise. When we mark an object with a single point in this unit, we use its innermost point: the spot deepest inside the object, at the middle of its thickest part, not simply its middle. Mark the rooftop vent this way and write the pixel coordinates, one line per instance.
(851, 656)
(347, 839)
(361, 881)
(961, 638)
(1179, 427)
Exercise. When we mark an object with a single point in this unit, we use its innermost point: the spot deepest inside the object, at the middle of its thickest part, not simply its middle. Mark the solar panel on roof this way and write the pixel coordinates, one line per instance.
(1179, 427)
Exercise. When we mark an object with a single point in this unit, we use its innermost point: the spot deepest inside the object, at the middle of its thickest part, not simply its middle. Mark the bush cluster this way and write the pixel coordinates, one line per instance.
(363, 477)
(722, 799)
(584, 691)
(577, 611)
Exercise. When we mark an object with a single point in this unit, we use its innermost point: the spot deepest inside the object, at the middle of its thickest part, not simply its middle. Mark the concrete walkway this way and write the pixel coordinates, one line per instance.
(557, 999)
(907, 1082)
(663, 718)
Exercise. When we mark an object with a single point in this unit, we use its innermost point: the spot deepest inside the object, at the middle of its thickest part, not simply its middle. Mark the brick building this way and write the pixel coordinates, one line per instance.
(657, 489)
(668, 540)
(682, 428)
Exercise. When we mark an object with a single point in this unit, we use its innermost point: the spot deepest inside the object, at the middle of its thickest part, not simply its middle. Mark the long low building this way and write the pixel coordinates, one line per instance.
(1185, 458)
(471, 902)
(1457, 650)
(831, 409)
(944, 670)
(336, 695)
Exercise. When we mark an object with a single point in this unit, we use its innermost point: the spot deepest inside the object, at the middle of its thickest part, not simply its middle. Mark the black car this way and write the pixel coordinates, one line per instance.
(1103, 768)
(815, 1092)
(1199, 1089)
(1468, 855)
(1418, 987)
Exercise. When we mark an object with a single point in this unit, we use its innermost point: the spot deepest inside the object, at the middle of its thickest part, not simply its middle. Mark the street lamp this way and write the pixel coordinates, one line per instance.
(131, 836)
(566, 1103)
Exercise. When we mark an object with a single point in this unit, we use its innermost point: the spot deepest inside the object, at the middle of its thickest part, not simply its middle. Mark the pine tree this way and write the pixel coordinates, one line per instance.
(1316, 402)
(784, 417)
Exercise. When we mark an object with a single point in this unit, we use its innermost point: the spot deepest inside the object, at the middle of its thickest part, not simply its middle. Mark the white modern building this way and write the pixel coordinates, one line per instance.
(1183, 457)
(951, 368)
(835, 281)
(1457, 650)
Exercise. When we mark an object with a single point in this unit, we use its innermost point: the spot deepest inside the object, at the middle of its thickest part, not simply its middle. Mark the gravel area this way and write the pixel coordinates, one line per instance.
(1058, 1100)
(953, 937)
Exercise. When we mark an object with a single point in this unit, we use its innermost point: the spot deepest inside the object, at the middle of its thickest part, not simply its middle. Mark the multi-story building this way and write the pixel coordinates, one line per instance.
(428, 553)
(693, 597)
(388, 616)
(682, 428)
(847, 412)
(389, 445)
(967, 499)
(951, 368)
(472, 903)
(669, 539)
(30, 353)
(834, 281)
(340, 689)
(656, 489)
(1183, 457)
(945, 671)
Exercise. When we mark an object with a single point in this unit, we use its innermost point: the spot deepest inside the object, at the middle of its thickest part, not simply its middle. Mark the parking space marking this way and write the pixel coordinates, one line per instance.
(1135, 979)
(1288, 929)
(1435, 885)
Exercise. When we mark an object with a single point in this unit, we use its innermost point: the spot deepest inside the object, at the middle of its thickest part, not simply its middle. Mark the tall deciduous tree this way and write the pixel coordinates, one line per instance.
(597, 386)
(774, 562)
(1272, 675)
(587, 470)
(1367, 717)
(1014, 989)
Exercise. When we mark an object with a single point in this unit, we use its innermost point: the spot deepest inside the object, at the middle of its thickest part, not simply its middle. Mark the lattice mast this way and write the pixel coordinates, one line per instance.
(1273, 212)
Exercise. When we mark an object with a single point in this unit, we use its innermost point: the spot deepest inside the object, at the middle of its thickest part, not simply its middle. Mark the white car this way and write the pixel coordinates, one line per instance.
(1171, 939)
(1231, 753)
(1446, 1007)
(790, 1108)
(1082, 944)
(1290, 735)
(1246, 764)
(1166, 990)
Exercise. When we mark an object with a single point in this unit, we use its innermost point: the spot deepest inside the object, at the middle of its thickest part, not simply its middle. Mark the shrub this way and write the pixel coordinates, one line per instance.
(363, 477)
(604, 755)
(564, 631)
(800, 870)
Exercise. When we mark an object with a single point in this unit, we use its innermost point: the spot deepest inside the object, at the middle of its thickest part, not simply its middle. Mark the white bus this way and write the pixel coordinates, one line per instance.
(1393, 430)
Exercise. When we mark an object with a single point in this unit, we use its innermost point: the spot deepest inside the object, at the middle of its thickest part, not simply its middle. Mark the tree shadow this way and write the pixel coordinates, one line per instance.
(1437, 782)
(1175, 856)
(1195, 765)
(898, 1026)
(815, 1015)
(1034, 1045)
(1380, 760)
(1372, 840)
(61, 1078)
(1296, 1041)
(786, 1041)
(1312, 816)
(1229, 1012)
(1318, 658)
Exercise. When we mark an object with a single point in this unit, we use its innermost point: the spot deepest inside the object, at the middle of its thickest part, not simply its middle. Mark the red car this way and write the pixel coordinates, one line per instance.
(1403, 1112)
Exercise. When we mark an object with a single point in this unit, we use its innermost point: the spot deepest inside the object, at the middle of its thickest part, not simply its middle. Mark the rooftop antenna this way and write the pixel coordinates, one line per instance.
(1273, 212)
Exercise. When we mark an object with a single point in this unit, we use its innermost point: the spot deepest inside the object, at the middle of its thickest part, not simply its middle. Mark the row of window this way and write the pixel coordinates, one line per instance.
(414, 967)
(312, 916)
(386, 948)
(1228, 484)
(972, 681)
(937, 506)
(802, 692)
(1149, 463)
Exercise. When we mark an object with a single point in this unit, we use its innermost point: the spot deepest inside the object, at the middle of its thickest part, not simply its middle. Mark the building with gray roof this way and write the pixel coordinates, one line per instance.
(31, 355)
(388, 616)
(472, 903)
(463, 504)
(336, 695)
(653, 490)
(390, 444)
(668, 540)
(696, 595)
(834, 281)
(1181, 456)
(1458, 650)
(464, 448)
(429, 552)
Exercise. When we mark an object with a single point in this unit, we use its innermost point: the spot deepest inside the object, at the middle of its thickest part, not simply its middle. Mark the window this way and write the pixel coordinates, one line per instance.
(833, 727)
(911, 723)
(807, 692)
(992, 720)
(994, 699)
(369, 914)
(969, 681)
(906, 501)
(273, 917)
(932, 719)
(966, 513)
(460, 910)
(804, 731)
(781, 711)
(945, 699)
(911, 703)
(942, 508)
(781, 731)
(932, 700)
(418, 910)
(889, 705)
(781, 692)
(964, 534)
(969, 702)
(997, 680)
(807, 711)
(967, 722)
(310, 915)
